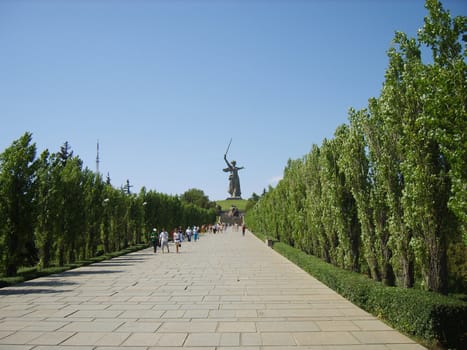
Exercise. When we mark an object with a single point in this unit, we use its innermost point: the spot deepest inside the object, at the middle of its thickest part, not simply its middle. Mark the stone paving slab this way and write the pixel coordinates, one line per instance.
(224, 292)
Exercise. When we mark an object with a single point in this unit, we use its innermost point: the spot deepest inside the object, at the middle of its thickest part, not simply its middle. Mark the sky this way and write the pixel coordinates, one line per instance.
(163, 86)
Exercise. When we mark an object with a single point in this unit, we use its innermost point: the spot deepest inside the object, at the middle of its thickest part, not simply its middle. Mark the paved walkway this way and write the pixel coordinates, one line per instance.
(223, 292)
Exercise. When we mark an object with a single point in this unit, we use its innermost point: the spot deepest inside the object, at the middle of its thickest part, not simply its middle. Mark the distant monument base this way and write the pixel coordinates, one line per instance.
(232, 198)
(232, 216)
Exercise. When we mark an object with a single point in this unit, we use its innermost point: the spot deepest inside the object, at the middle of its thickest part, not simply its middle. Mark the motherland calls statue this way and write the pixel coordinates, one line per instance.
(234, 180)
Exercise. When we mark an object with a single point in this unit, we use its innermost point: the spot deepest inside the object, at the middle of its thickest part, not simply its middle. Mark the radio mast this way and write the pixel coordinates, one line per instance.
(97, 158)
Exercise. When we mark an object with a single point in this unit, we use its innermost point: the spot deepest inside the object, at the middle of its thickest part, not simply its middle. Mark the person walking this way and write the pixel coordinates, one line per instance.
(195, 233)
(164, 240)
(188, 233)
(154, 239)
(243, 229)
(178, 237)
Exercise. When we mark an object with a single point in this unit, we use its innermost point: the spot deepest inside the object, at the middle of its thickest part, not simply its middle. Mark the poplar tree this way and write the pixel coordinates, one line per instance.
(17, 205)
(46, 210)
(355, 164)
(93, 188)
(320, 244)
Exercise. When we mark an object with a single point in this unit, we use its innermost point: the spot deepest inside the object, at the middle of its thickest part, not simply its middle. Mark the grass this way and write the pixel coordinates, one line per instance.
(227, 204)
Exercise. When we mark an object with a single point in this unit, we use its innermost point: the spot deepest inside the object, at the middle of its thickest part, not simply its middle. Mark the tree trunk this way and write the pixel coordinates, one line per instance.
(407, 271)
(437, 273)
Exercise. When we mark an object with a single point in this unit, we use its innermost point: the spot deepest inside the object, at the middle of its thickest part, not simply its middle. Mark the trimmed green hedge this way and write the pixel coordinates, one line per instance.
(434, 319)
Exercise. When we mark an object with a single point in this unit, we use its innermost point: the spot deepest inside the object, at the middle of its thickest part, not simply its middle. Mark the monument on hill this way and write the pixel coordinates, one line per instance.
(234, 180)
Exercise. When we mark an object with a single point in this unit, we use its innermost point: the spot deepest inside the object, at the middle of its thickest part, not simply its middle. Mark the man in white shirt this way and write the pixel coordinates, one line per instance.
(164, 239)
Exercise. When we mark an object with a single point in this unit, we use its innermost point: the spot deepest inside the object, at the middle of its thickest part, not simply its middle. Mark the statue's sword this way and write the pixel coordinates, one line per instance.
(227, 150)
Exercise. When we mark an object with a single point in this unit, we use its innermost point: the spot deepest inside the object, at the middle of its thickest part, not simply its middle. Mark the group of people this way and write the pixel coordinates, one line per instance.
(221, 227)
(162, 239)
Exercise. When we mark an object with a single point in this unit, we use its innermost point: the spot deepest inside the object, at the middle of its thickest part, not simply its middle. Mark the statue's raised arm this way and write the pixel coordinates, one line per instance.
(228, 163)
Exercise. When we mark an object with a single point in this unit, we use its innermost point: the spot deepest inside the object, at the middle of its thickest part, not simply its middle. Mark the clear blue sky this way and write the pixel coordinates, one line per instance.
(164, 85)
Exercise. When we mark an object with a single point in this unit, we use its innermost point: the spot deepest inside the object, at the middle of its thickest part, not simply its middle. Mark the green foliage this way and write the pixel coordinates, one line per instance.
(387, 196)
(55, 213)
(252, 201)
(198, 198)
(17, 188)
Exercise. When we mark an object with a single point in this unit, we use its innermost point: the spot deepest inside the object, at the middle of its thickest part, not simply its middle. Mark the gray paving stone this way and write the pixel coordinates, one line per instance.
(203, 339)
(126, 348)
(230, 339)
(290, 326)
(371, 325)
(250, 339)
(4, 334)
(224, 292)
(239, 347)
(64, 347)
(14, 324)
(325, 338)
(172, 339)
(92, 326)
(142, 339)
(226, 327)
(112, 339)
(404, 347)
(20, 338)
(178, 348)
(277, 339)
(15, 347)
(381, 337)
(186, 326)
(340, 325)
(174, 314)
(141, 327)
(196, 313)
(84, 338)
(50, 338)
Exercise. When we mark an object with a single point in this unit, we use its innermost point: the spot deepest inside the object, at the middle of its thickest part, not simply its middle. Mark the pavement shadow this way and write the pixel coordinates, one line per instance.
(122, 259)
(47, 283)
(26, 291)
(145, 254)
(79, 272)
(109, 264)
(36, 286)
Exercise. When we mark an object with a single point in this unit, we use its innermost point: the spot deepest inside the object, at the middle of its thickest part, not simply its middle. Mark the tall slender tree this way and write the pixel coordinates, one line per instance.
(320, 244)
(354, 163)
(45, 211)
(17, 205)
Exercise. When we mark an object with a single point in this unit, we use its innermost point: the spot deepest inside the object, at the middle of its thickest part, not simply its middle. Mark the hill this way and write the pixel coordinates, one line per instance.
(227, 204)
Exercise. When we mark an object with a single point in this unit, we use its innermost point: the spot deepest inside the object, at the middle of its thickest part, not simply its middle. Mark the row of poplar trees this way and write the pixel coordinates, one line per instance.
(387, 195)
(53, 211)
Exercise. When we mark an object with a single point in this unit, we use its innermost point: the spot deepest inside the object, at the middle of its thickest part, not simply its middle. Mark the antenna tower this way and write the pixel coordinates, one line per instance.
(97, 158)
